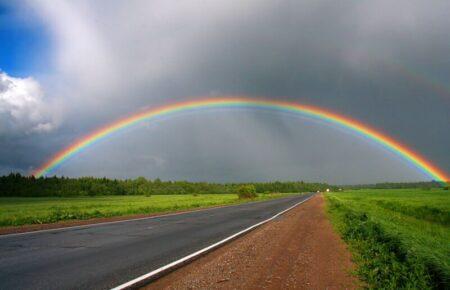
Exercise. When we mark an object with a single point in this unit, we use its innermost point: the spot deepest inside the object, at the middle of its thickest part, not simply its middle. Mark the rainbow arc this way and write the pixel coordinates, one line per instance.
(425, 166)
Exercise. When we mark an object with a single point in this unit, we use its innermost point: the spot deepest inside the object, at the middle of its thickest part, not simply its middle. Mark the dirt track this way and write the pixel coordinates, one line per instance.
(297, 251)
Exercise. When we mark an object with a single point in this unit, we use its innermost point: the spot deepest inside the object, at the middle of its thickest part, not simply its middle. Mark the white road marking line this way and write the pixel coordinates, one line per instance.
(160, 271)
(128, 220)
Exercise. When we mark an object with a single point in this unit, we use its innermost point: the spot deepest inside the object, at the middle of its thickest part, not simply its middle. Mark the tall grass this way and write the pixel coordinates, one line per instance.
(400, 238)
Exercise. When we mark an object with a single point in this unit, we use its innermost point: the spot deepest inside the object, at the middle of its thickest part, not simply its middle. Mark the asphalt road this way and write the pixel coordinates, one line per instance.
(104, 256)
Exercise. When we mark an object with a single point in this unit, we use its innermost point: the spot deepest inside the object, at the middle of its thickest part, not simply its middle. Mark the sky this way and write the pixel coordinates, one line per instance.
(69, 67)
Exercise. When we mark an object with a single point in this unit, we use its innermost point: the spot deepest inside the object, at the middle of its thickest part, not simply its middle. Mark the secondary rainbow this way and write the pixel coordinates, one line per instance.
(406, 153)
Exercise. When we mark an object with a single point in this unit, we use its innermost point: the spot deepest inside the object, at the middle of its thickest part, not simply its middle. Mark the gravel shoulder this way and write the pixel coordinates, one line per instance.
(298, 250)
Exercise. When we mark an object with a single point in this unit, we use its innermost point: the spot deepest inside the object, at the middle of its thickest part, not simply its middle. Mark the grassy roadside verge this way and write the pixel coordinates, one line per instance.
(399, 238)
(40, 210)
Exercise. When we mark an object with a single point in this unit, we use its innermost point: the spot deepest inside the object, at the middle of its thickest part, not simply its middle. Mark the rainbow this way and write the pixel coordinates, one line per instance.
(422, 79)
(406, 153)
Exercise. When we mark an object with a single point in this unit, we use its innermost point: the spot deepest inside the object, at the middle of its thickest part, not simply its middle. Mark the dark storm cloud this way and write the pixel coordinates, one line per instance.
(245, 147)
(383, 63)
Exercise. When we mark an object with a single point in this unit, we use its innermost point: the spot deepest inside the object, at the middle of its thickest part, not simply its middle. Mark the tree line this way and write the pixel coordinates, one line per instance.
(17, 185)
(398, 185)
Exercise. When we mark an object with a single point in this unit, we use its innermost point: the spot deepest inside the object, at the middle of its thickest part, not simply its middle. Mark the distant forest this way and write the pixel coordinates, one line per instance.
(17, 185)
(397, 185)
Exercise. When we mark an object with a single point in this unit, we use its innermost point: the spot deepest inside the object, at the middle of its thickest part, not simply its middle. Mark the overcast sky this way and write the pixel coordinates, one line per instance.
(68, 67)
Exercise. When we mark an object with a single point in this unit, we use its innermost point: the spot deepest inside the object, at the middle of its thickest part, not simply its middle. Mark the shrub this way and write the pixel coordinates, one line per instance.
(247, 191)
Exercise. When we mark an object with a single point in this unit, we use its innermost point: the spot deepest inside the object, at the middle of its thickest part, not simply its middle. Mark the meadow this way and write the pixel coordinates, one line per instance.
(400, 238)
(16, 211)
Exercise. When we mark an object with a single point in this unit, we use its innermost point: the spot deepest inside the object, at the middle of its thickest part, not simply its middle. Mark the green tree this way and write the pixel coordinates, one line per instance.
(247, 191)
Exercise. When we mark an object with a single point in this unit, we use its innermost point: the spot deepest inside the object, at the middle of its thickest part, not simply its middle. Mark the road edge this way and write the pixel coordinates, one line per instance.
(155, 274)
(125, 219)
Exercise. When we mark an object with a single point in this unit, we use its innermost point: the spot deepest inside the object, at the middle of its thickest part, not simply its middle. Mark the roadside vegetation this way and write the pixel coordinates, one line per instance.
(400, 238)
(15, 211)
(247, 191)
(29, 200)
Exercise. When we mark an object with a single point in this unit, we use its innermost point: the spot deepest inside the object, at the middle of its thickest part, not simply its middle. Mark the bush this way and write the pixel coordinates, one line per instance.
(247, 191)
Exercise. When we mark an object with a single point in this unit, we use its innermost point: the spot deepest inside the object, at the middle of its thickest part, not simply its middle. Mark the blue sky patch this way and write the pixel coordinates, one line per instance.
(24, 43)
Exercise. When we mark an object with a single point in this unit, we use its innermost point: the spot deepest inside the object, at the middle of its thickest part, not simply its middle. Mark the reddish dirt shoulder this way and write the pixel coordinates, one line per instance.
(299, 250)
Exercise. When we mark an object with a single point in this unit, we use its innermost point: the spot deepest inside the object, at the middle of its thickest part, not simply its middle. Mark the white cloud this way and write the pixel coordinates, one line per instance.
(22, 107)
(81, 54)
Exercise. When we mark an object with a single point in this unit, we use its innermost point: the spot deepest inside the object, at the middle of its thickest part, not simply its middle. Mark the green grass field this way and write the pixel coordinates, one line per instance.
(37, 210)
(400, 238)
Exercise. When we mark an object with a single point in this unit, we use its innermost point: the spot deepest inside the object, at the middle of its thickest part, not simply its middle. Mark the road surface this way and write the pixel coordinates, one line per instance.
(104, 256)
(298, 251)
